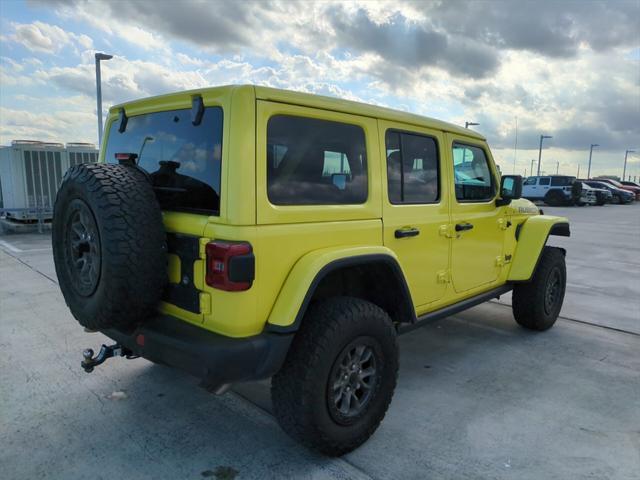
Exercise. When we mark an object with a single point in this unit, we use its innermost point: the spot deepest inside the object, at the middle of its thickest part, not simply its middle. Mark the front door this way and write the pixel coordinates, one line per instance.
(477, 224)
(416, 207)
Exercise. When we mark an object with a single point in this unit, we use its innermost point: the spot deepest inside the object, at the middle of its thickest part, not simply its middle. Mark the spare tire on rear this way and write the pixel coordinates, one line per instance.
(109, 245)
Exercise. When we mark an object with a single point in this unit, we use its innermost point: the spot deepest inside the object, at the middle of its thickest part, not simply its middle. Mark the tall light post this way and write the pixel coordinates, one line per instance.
(470, 124)
(590, 155)
(557, 167)
(542, 137)
(624, 170)
(531, 169)
(100, 56)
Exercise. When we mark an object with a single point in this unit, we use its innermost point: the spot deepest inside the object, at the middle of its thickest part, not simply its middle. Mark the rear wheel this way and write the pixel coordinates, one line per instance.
(537, 304)
(339, 376)
(554, 198)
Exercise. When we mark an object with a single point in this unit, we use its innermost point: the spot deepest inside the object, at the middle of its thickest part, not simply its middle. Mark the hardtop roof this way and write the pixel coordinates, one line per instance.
(319, 101)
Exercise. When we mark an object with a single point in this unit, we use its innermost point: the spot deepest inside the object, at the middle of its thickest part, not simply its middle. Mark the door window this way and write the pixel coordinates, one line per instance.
(473, 179)
(412, 168)
(530, 181)
(545, 181)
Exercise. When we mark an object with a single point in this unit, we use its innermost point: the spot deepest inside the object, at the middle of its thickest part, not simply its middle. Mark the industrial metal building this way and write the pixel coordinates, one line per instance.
(31, 172)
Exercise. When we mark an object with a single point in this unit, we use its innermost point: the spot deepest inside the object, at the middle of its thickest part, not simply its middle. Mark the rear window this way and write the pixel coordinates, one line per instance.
(183, 160)
(562, 181)
(315, 162)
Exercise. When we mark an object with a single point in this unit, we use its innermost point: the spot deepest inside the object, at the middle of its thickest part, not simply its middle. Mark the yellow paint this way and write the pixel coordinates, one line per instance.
(292, 243)
(533, 236)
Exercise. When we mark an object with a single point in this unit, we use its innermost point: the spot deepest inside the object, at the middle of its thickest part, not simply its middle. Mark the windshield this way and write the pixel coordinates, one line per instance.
(183, 160)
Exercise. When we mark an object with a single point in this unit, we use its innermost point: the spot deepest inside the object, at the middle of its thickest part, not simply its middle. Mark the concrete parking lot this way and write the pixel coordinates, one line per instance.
(477, 397)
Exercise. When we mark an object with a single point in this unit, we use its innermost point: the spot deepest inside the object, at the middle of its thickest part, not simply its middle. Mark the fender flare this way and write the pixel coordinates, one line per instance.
(532, 236)
(305, 276)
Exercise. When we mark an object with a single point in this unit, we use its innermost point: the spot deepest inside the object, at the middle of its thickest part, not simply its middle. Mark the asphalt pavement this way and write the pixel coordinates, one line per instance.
(477, 396)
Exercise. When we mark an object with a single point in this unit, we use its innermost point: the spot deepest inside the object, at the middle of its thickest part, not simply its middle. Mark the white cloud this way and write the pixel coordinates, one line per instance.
(46, 38)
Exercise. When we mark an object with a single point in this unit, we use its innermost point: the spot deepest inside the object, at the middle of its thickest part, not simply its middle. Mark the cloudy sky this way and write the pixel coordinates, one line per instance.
(570, 69)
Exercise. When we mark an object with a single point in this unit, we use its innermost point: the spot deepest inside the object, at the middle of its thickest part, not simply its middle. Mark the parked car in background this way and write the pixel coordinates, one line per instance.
(554, 190)
(629, 183)
(617, 184)
(588, 196)
(619, 195)
(603, 195)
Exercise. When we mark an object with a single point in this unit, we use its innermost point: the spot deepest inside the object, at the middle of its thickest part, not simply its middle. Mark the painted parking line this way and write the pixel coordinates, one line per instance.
(12, 248)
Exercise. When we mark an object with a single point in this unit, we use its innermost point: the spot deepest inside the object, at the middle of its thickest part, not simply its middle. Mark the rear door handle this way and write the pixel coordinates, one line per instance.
(461, 227)
(407, 232)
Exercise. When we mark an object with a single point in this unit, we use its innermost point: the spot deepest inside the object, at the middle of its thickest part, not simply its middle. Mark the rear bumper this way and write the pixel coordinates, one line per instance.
(215, 359)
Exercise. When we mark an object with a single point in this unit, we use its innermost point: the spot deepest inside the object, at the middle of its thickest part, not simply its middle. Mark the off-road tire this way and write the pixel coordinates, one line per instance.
(554, 198)
(124, 244)
(300, 391)
(532, 307)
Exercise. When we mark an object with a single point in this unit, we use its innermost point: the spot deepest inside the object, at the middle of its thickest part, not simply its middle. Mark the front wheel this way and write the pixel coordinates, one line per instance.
(537, 304)
(339, 376)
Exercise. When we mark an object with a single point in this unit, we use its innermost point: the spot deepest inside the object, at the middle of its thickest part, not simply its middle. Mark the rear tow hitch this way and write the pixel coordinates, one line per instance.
(89, 362)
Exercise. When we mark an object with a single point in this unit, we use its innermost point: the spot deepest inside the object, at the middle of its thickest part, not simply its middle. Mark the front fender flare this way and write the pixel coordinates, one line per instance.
(532, 236)
(309, 270)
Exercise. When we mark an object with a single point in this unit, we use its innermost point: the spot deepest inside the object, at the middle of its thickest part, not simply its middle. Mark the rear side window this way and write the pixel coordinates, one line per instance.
(473, 179)
(562, 181)
(545, 181)
(315, 162)
(184, 160)
(412, 168)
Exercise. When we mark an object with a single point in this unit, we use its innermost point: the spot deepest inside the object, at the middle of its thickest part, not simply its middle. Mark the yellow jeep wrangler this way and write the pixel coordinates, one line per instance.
(243, 232)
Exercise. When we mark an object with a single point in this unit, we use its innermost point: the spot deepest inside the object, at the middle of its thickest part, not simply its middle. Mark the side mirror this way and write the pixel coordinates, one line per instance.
(510, 189)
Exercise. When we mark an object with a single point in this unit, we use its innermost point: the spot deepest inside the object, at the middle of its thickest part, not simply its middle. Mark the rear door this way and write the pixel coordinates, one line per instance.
(416, 207)
(478, 225)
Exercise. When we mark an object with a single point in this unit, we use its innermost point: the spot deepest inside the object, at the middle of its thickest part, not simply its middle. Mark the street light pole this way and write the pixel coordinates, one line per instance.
(590, 154)
(469, 124)
(531, 169)
(557, 167)
(542, 137)
(98, 57)
(624, 170)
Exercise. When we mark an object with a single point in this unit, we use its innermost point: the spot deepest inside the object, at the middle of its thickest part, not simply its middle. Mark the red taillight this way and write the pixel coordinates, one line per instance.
(230, 265)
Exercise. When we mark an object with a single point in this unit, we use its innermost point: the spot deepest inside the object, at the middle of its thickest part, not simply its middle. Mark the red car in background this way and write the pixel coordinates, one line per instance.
(615, 183)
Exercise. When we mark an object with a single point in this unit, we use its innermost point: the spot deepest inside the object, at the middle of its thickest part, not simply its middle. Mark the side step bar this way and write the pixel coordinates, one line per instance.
(453, 309)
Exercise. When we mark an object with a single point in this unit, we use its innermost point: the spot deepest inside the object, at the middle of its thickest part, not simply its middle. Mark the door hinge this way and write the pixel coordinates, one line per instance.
(205, 303)
(448, 231)
(503, 223)
(444, 276)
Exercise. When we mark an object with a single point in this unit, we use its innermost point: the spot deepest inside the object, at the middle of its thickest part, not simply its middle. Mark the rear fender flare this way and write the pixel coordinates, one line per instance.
(297, 292)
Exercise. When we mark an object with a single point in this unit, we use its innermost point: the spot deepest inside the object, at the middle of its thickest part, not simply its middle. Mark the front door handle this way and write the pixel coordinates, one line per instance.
(407, 232)
(461, 227)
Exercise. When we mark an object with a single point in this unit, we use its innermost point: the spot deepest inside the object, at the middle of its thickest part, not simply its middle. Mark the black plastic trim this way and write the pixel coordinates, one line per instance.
(197, 110)
(215, 359)
(561, 229)
(455, 308)
(184, 294)
(123, 120)
(348, 262)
